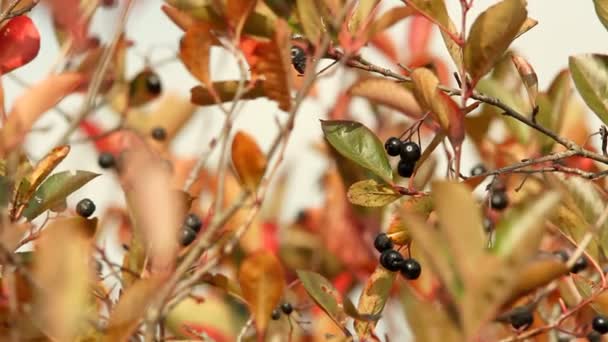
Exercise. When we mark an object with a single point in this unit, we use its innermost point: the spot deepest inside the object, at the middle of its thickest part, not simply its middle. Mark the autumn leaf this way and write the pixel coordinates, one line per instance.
(528, 77)
(590, 75)
(237, 12)
(387, 93)
(601, 9)
(388, 19)
(179, 18)
(373, 298)
(194, 51)
(491, 34)
(310, 18)
(262, 282)
(325, 295)
(369, 193)
(248, 160)
(226, 91)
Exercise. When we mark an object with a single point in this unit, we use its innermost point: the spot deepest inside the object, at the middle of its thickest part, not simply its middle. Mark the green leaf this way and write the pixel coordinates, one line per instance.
(601, 9)
(373, 298)
(590, 75)
(324, 294)
(519, 233)
(491, 34)
(55, 189)
(359, 144)
(369, 193)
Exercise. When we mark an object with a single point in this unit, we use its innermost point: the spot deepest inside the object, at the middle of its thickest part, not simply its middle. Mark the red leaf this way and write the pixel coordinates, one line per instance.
(19, 43)
(109, 143)
(419, 35)
(383, 42)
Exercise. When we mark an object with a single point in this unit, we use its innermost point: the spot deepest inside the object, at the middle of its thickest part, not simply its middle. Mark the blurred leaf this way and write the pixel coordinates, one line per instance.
(427, 94)
(361, 15)
(20, 40)
(398, 229)
(477, 126)
(282, 8)
(274, 63)
(537, 273)
(430, 148)
(359, 144)
(370, 193)
(590, 75)
(425, 173)
(86, 227)
(194, 51)
(519, 233)
(62, 272)
(226, 91)
(352, 311)
(180, 18)
(528, 24)
(459, 216)
(387, 93)
(388, 19)
(34, 102)
(419, 36)
(224, 283)
(56, 189)
(310, 18)
(373, 298)
(238, 11)
(262, 281)
(4, 191)
(491, 34)
(572, 223)
(131, 308)
(601, 9)
(528, 77)
(248, 160)
(324, 294)
(547, 116)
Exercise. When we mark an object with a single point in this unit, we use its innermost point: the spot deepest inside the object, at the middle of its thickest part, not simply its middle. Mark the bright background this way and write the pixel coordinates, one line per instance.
(566, 27)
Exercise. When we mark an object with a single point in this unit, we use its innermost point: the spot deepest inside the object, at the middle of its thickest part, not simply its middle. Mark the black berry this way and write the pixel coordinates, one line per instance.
(499, 200)
(391, 260)
(153, 84)
(579, 265)
(275, 315)
(521, 318)
(393, 146)
(159, 133)
(411, 269)
(383, 242)
(600, 324)
(410, 151)
(477, 170)
(85, 207)
(298, 59)
(405, 168)
(106, 160)
(188, 235)
(286, 308)
(193, 222)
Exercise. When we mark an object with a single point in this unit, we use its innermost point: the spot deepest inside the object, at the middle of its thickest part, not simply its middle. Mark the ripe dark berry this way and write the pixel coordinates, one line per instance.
(579, 265)
(391, 260)
(477, 170)
(286, 308)
(383, 242)
(153, 84)
(298, 58)
(600, 324)
(85, 207)
(275, 315)
(159, 133)
(193, 222)
(488, 225)
(188, 235)
(393, 146)
(405, 168)
(521, 318)
(499, 200)
(411, 269)
(410, 151)
(106, 160)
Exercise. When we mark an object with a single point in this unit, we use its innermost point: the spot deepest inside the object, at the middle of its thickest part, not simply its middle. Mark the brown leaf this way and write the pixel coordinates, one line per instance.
(180, 18)
(373, 298)
(388, 93)
(226, 91)
(28, 108)
(130, 309)
(427, 94)
(491, 34)
(537, 273)
(274, 64)
(194, 51)
(237, 12)
(62, 271)
(528, 77)
(248, 160)
(262, 282)
(528, 24)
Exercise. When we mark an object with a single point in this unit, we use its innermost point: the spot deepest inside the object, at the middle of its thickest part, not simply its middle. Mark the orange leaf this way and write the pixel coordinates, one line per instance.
(419, 35)
(31, 105)
(262, 281)
(387, 93)
(426, 92)
(274, 64)
(179, 18)
(194, 51)
(248, 160)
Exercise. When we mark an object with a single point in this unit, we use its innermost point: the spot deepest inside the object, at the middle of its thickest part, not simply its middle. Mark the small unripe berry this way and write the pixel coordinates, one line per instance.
(383, 242)
(85, 207)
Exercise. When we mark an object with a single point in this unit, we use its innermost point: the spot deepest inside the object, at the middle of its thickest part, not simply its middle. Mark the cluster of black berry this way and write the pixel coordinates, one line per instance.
(192, 225)
(393, 260)
(409, 153)
(298, 58)
(286, 308)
